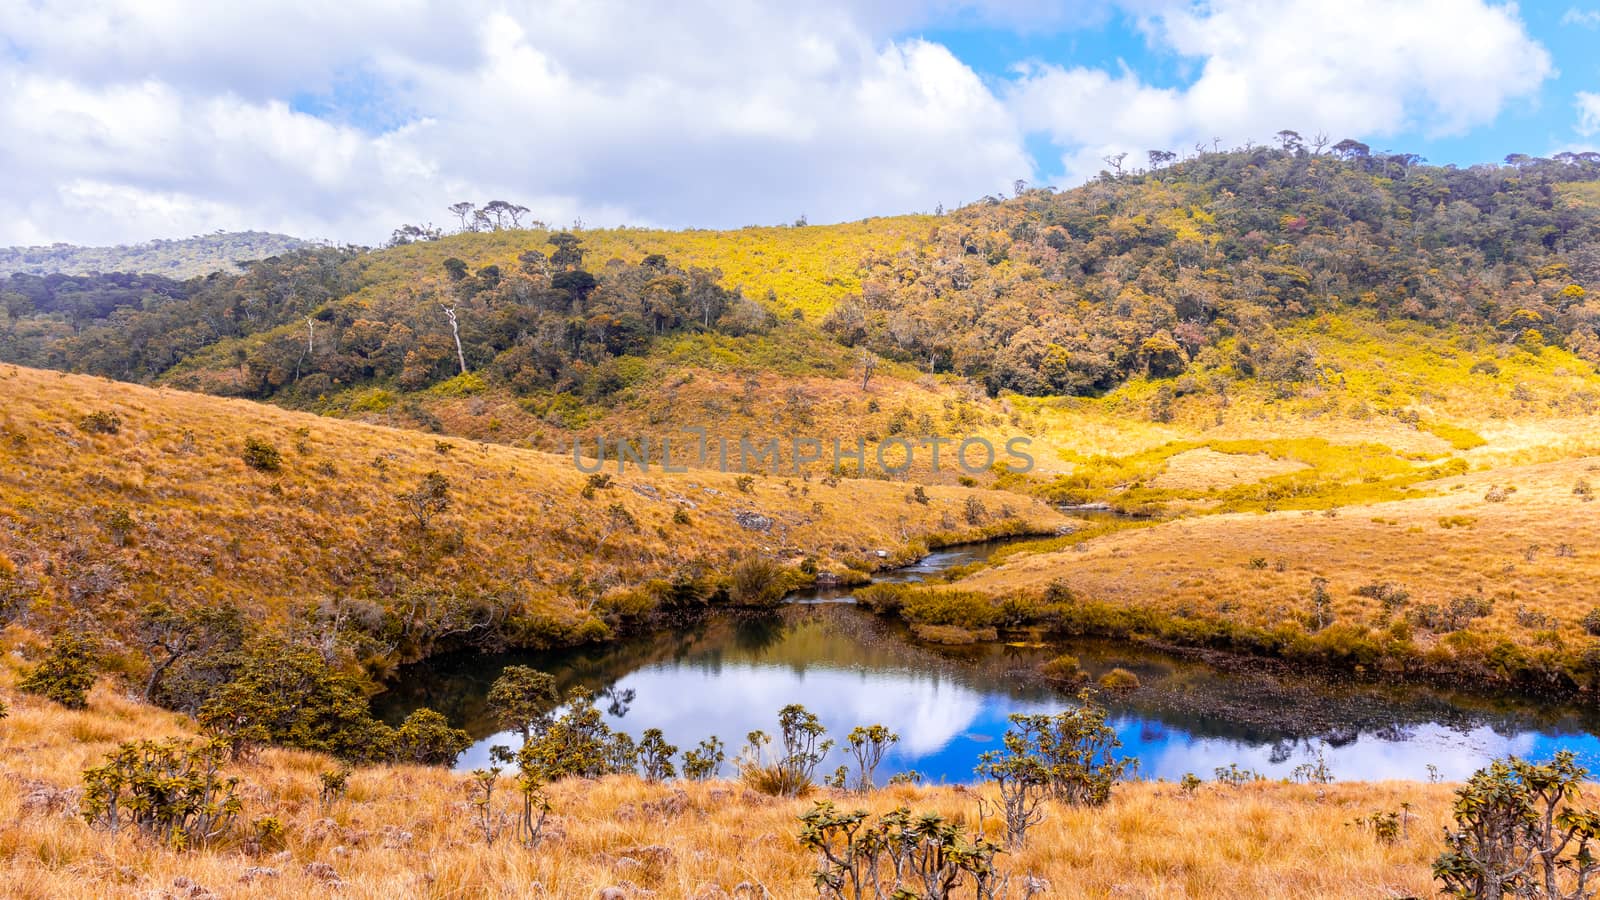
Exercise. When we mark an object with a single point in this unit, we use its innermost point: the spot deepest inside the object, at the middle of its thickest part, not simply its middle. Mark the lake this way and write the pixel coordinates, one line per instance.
(727, 673)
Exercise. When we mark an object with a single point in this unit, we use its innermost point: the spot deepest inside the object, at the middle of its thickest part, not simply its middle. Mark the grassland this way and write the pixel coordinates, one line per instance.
(409, 832)
(167, 508)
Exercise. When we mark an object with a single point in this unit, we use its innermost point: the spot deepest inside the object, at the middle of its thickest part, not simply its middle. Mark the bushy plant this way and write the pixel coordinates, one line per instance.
(655, 755)
(901, 855)
(869, 745)
(100, 422)
(1521, 830)
(288, 694)
(704, 761)
(757, 581)
(65, 673)
(261, 455)
(792, 771)
(426, 738)
(1119, 680)
(428, 499)
(521, 699)
(1074, 749)
(170, 792)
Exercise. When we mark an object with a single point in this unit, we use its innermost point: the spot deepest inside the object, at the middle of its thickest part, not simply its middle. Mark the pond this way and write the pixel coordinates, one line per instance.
(728, 673)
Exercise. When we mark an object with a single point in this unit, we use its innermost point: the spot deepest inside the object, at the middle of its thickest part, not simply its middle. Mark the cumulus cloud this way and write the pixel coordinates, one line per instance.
(1365, 68)
(1588, 113)
(127, 119)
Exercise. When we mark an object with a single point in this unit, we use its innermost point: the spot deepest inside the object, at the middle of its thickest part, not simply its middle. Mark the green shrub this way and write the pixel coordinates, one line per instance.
(922, 849)
(757, 581)
(100, 422)
(1521, 830)
(1119, 680)
(426, 738)
(704, 761)
(1065, 669)
(287, 694)
(521, 700)
(966, 609)
(65, 673)
(791, 772)
(261, 456)
(168, 791)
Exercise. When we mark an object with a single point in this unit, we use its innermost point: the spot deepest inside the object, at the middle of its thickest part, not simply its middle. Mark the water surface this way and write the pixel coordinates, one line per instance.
(726, 674)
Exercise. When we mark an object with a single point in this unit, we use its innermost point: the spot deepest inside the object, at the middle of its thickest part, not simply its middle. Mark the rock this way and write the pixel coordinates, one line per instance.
(323, 872)
(257, 873)
(653, 855)
(187, 888)
(612, 893)
(881, 554)
(752, 520)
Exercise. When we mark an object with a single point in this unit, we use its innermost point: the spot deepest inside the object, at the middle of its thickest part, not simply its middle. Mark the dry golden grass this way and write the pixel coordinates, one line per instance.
(329, 524)
(1535, 551)
(409, 832)
(1206, 469)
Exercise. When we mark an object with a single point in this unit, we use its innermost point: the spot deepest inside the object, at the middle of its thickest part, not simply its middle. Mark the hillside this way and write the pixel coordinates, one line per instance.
(114, 496)
(179, 259)
(1234, 294)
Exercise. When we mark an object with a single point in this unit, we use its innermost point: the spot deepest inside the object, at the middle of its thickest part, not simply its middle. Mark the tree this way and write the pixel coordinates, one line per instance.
(463, 211)
(1075, 748)
(521, 699)
(869, 364)
(569, 250)
(1351, 149)
(429, 499)
(172, 633)
(1115, 162)
(1159, 158)
(1522, 830)
(1290, 141)
(455, 268)
(288, 694)
(455, 332)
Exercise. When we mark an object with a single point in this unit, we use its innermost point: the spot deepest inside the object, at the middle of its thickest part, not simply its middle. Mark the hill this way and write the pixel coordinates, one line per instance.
(1365, 293)
(179, 259)
(115, 496)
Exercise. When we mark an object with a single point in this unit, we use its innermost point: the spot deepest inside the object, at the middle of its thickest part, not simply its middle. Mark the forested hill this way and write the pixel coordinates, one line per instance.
(185, 258)
(1208, 266)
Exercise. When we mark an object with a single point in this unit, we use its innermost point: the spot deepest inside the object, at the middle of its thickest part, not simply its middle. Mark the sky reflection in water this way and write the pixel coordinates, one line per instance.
(726, 683)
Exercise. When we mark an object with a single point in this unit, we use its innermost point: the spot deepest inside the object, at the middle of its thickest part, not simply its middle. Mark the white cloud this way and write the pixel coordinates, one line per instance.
(1362, 68)
(128, 119)
(1586, 18)
(1588, 104)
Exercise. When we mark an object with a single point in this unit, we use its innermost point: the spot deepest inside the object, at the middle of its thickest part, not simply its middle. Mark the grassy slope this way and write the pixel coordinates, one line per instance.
(407, 832)
(330, 525)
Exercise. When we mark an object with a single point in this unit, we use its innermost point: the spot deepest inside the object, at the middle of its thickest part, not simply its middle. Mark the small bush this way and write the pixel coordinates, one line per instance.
(1591, 621)
(66, 673)
(757, 581)
(171, 793)
(1119, 680)
(1065, 669)
(261, 456)
(791, 772)
(426, 738)
(100, 422)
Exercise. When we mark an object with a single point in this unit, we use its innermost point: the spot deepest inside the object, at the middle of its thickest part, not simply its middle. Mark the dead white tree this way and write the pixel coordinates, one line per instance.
(455, 331)
(311, 345)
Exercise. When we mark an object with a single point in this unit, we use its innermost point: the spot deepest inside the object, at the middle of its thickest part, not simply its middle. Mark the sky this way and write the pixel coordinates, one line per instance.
(126, 120)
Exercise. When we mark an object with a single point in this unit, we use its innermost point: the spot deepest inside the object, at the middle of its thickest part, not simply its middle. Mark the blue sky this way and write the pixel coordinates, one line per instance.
(123, 120)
